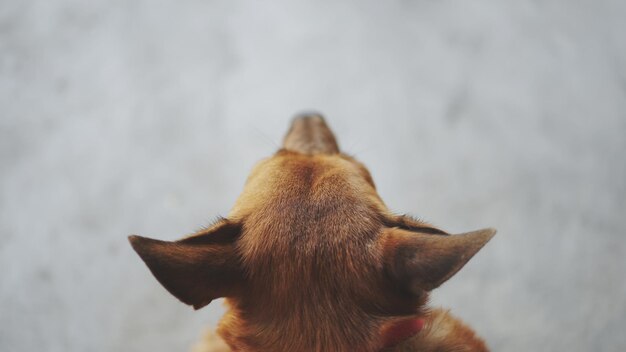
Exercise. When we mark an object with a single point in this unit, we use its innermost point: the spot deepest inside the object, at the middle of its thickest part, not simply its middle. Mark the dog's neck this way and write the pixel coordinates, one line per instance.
(335, 328)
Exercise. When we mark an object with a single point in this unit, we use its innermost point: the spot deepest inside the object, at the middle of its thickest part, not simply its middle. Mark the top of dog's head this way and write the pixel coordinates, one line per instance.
(310, 257)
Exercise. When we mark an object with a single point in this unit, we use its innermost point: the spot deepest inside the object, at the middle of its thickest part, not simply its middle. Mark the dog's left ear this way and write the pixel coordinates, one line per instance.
(196, 269)
(421, 262)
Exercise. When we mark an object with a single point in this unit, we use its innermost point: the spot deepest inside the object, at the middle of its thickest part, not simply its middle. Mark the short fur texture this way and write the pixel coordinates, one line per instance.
(443, 332)
(311, 259)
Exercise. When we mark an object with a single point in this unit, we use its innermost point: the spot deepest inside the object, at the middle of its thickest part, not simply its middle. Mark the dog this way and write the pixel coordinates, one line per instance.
(310, 259)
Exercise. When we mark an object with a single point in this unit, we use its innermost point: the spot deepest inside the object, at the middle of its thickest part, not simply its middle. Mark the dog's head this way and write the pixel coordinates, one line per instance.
(310, 258)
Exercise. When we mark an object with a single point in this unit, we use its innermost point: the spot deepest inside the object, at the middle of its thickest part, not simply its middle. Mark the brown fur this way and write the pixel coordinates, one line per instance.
(442, 333)
(311, 259)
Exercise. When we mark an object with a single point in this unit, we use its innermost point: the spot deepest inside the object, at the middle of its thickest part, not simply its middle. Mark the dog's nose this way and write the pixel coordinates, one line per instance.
(309, 134)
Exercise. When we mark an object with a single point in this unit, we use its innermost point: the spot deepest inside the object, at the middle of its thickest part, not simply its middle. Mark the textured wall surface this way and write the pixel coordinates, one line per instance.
(130, 116)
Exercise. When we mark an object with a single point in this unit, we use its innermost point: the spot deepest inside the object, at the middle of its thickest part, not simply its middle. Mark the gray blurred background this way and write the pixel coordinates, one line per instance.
(130, 116)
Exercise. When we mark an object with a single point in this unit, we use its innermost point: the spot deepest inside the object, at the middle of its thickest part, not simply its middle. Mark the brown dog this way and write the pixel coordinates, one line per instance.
(311, 259)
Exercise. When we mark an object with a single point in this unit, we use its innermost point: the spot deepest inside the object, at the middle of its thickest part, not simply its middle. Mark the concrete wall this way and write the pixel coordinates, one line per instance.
(130, 116)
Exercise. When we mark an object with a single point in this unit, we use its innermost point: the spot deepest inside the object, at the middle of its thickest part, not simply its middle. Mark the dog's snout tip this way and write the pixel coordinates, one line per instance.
(310, 115)
(309, 134)
(308, 120)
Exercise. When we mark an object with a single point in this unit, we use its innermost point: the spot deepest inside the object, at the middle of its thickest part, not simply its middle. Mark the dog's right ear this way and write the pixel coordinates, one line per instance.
(423, 261)
(196, 269)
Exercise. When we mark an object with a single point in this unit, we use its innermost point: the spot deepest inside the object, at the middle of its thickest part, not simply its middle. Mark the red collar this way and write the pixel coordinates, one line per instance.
(401, 330)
